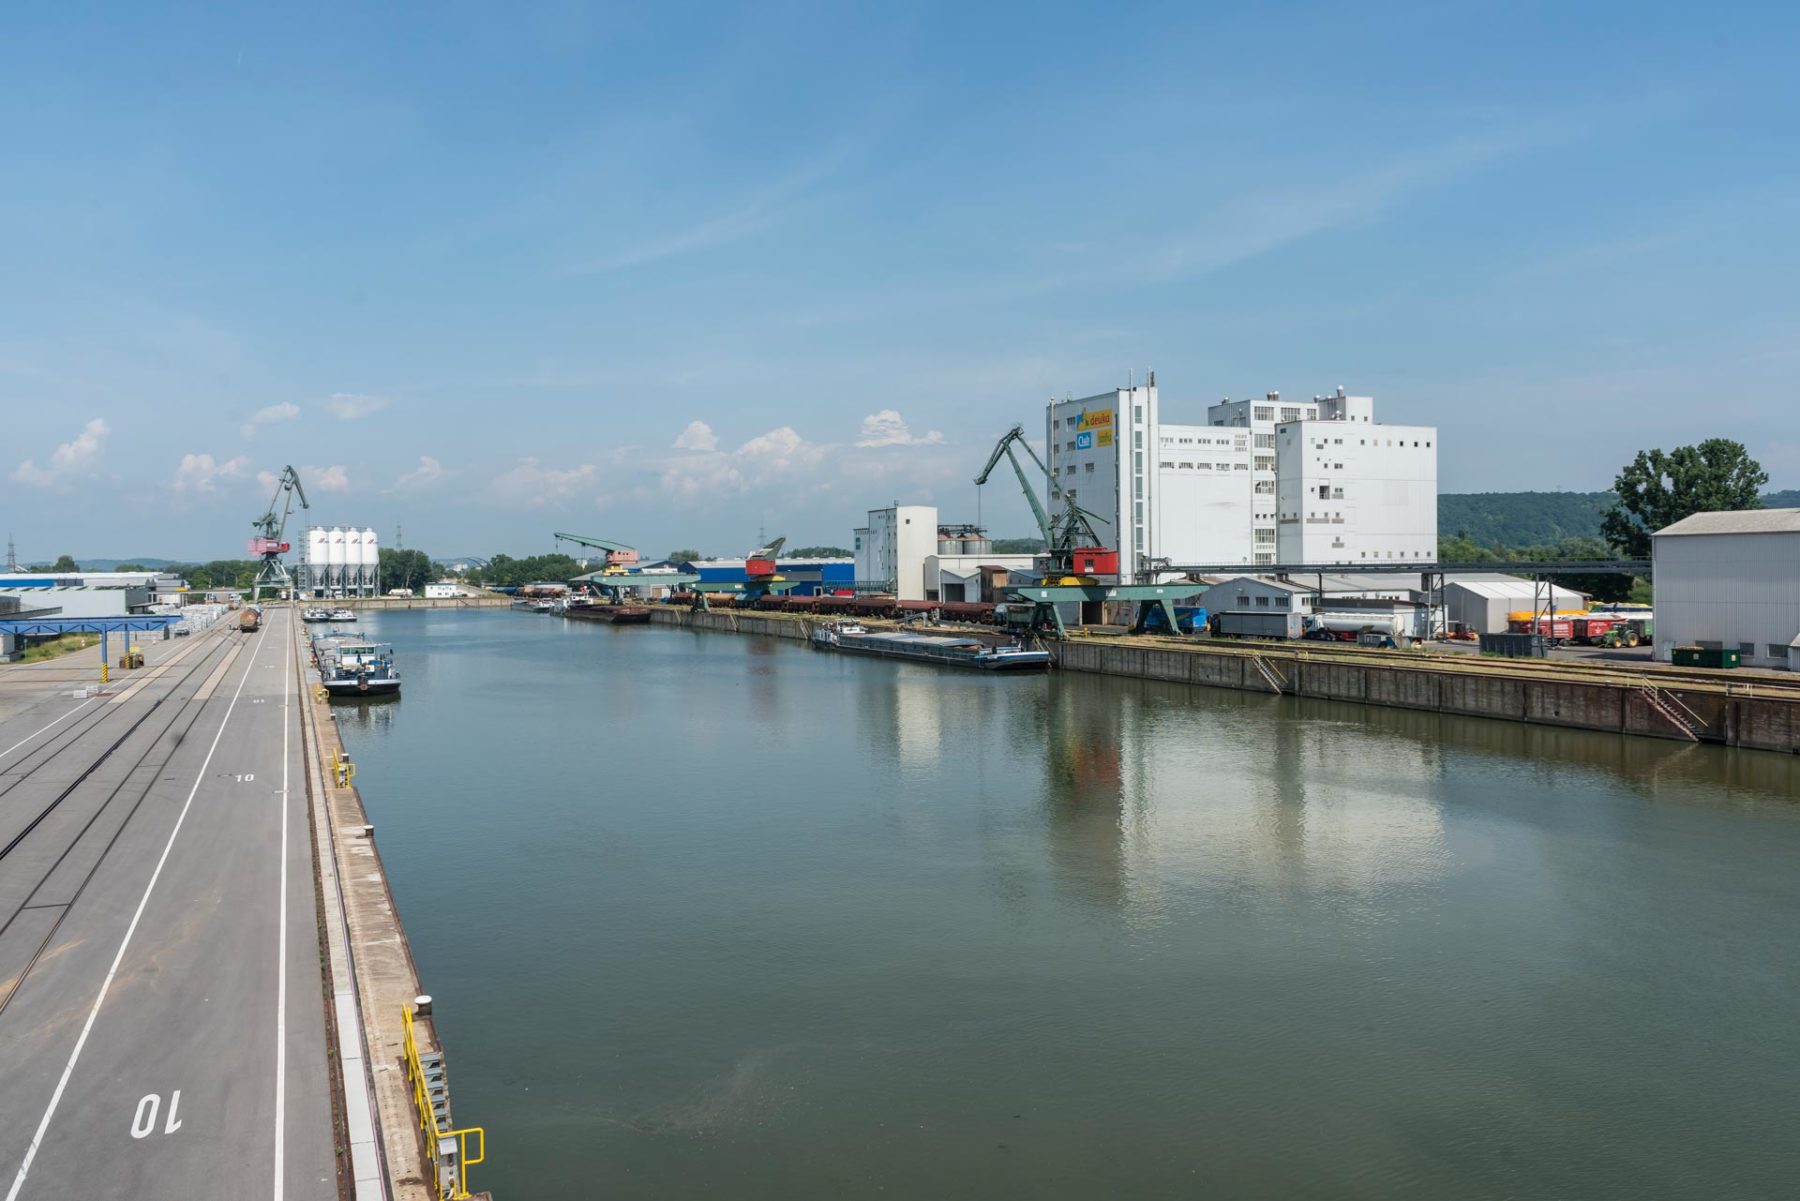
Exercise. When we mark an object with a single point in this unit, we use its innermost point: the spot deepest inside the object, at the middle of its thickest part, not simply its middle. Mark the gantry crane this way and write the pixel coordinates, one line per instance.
(621, 571)
(1068, 534)
(268, 544)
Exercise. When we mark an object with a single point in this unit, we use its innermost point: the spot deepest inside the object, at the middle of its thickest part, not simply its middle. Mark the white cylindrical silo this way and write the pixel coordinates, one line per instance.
(371, 560)
(315, 558)
(335, 557)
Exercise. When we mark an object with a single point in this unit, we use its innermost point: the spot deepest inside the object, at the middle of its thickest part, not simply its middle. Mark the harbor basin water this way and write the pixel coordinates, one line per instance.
(719, 916)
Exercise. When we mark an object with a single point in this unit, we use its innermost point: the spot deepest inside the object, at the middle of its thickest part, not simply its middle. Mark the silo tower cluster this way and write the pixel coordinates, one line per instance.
(341, 560)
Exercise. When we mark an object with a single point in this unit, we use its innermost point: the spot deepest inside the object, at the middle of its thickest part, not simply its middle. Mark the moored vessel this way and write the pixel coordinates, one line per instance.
(954, 650)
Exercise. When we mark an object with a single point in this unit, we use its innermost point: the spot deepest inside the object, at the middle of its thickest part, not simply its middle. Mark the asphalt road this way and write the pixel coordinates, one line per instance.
(161, 1011)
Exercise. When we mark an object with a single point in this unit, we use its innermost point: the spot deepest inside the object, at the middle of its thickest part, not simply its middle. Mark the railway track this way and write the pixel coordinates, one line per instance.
(84, 809)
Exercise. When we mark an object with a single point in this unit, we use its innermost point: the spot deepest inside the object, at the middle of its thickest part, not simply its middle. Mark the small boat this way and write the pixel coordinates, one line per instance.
(314, 616)
(954, 650)
(341, 615)
(359, 669)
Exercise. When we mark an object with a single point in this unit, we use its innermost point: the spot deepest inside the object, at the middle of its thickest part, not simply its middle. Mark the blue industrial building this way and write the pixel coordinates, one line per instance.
(812, 576)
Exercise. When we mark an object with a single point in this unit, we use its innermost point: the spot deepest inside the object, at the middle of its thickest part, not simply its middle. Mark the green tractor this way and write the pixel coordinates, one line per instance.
(1627, 634)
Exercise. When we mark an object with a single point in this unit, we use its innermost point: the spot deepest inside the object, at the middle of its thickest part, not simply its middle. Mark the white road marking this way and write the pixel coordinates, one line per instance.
(59, 721)
(287, 662)
(87, 1027)
(143, 1122)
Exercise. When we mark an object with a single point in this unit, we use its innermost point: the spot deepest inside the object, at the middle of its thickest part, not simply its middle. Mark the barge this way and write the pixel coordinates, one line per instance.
(950, 649)
(617, 614)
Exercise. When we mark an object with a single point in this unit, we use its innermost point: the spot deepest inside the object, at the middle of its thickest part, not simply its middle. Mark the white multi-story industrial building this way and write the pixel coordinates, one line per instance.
(1262, 482)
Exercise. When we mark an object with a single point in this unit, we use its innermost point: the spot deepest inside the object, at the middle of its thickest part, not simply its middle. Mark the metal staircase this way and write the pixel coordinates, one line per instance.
(1673, 709)
(1270, 676)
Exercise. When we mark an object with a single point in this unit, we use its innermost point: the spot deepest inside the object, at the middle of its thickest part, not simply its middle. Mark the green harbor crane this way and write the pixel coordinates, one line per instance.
(270, 527)
(1066, 533)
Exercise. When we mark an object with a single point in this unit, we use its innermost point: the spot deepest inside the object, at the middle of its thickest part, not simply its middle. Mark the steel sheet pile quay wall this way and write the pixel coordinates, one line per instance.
(1754, 712)
(1760, 713)
(161, 1032)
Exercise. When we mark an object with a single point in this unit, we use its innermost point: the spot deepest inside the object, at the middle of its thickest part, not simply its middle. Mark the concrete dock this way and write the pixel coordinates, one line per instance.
(162, 1025)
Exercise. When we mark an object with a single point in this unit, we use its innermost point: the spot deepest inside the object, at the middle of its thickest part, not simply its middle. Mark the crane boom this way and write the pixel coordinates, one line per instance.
(1004, 447)
(595, 543)
(617, 553)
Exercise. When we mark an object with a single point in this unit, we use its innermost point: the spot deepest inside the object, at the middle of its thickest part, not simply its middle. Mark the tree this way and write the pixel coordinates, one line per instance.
(1657, 490)
(131, 567)
(819, 552)
(683, 556)
(1018, 546)
(65, 563)
(405, 568)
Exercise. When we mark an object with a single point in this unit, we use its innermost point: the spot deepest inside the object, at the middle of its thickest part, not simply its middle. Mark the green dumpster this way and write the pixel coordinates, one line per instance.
(1702, 656)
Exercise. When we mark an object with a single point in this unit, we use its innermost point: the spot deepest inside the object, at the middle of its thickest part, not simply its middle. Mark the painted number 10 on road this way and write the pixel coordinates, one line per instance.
(143, 1123)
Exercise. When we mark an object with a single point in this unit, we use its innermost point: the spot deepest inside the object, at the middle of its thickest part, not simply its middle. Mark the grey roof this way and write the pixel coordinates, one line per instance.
(1268, 581)
(1747, 521)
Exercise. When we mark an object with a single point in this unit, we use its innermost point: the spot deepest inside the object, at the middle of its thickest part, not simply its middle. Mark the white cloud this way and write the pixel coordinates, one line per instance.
(697, 436)
(887, 429)
(76, 459)
(428, 472)
(202, 473)
(318, 479)
(285, 411)
(529, 484)
(349, 406)
(777, 453)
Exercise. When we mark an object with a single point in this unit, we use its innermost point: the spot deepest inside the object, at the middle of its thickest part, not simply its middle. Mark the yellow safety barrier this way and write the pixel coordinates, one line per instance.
(434, 1137)
(342, 768)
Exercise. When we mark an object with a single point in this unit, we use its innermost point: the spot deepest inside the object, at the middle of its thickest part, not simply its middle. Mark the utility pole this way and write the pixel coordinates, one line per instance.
(12, 554)
(399, 539)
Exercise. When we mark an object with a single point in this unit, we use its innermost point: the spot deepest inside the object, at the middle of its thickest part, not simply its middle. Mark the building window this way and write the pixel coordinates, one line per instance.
(1324, 491)
(1264, 413)
(1777, 651)
(1090, 469)
(1290, 414)
(1262, 602)
(1747, 650)
(1265, 441)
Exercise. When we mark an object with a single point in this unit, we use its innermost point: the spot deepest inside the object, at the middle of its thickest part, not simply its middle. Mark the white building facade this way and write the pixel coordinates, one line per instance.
(1103, 450)
(1262, 482)
(892, 548)
(1732, 581)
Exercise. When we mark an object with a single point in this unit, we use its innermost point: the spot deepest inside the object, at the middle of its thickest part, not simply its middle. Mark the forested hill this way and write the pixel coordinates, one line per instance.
(1540, 518)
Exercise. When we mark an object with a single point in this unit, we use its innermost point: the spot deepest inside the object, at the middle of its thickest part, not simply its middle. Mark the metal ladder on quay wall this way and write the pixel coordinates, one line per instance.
(1672, 708)
(1270, 676)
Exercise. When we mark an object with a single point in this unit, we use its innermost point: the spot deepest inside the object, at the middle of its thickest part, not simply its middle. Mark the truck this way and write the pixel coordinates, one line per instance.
(1252, 624)
(249, 619)
(1350, 627)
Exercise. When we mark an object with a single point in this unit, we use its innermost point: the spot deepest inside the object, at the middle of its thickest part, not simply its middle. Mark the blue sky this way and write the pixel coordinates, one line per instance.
(669, 273)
